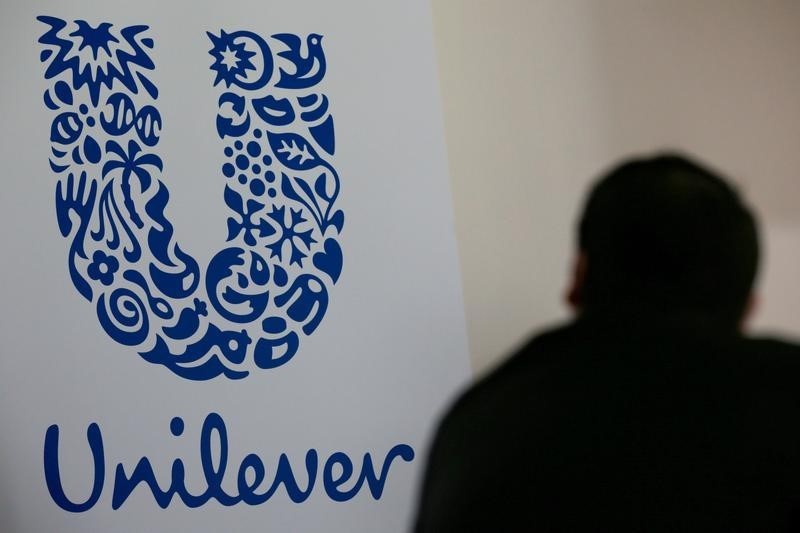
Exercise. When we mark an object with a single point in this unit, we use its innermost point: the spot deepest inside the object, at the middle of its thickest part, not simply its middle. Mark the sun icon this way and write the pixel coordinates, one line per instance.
(231, 59)
(94, 38)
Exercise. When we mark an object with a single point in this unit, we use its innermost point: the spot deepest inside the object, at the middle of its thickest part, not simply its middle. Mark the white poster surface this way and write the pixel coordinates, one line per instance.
(231, 298)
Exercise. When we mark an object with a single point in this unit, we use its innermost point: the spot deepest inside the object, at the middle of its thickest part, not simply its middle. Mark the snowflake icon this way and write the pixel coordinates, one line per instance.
(290, 234)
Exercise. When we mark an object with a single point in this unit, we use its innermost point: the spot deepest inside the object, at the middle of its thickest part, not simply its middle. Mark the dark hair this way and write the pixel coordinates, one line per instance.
(667, 233)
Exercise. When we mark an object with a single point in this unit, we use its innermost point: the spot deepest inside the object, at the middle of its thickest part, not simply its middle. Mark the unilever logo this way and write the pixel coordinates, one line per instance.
(272, 274)
(281, 254)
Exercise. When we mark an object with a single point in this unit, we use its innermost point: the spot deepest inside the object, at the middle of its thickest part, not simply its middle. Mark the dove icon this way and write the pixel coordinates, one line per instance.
(309, 69)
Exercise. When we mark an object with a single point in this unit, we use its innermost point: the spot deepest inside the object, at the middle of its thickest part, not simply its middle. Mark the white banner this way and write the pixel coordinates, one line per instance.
(231, 298)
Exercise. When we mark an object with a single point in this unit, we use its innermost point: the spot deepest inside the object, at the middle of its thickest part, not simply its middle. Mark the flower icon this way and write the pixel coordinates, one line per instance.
(103, 267)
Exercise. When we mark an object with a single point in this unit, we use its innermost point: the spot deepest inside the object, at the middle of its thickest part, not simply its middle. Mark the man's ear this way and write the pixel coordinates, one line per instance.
(574, 295)
(749, 310)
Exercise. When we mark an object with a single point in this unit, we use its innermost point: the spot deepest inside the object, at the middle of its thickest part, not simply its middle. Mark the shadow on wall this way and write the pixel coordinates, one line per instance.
(540, 97)
(719, 78)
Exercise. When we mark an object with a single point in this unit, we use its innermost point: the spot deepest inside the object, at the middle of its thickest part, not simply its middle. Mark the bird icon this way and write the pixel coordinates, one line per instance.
(309, 69)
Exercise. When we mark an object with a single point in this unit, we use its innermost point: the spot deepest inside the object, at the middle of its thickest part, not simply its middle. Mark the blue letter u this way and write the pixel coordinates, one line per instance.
(53, 476)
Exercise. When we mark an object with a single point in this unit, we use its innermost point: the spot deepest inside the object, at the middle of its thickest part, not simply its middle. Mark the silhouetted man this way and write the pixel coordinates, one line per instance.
(650, 412)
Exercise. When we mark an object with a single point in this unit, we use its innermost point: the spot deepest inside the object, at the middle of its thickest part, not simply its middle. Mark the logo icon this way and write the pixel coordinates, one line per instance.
(267, 286)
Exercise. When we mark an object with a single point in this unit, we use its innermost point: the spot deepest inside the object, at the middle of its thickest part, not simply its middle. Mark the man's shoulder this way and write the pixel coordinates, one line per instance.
(520, 370)
(773, 345)
(575, 349)
(776, 358)
(539, 352)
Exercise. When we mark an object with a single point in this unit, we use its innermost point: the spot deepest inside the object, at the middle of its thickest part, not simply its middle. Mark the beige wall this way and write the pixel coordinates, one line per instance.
(539, 96)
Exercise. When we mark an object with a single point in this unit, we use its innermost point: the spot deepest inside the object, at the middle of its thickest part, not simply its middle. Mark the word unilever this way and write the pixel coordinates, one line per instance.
(250, 487)
(264, 291)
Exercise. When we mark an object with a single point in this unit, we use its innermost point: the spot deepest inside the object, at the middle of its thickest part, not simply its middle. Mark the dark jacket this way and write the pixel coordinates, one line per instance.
(624, 425)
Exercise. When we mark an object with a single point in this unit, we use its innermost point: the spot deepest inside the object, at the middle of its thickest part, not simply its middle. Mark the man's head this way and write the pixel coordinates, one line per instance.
(669, 235)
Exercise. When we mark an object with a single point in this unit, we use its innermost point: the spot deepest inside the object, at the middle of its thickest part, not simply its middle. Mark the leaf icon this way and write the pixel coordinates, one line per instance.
(293, 151)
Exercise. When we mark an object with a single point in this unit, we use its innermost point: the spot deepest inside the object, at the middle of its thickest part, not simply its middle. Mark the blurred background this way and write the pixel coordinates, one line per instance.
(540, 96)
